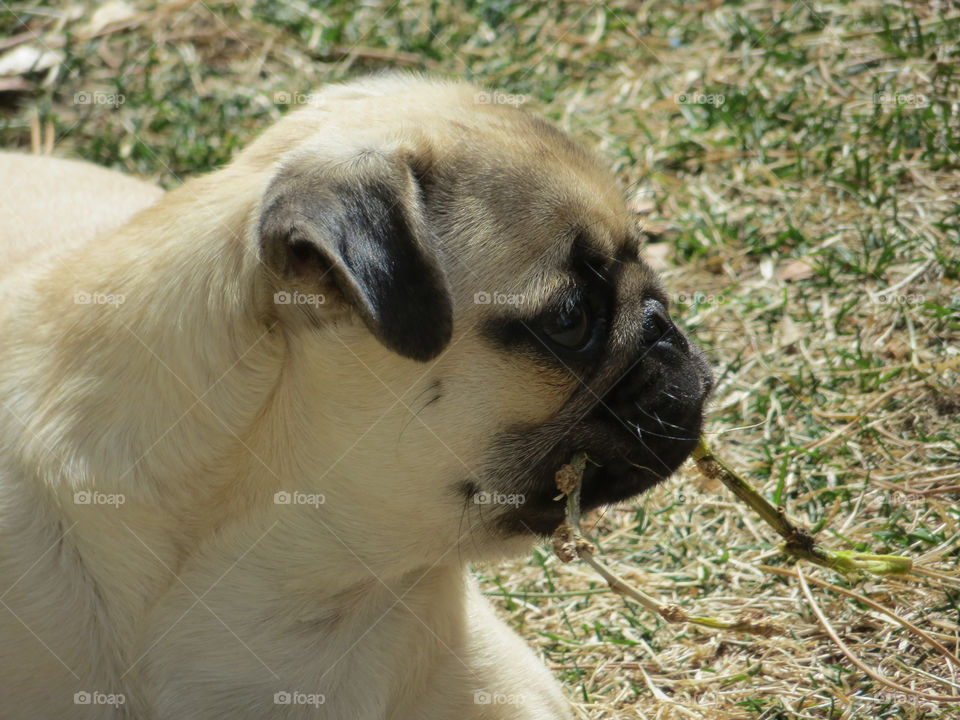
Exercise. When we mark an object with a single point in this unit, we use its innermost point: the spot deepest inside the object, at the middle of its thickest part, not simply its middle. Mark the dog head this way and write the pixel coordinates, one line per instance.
(464, 305)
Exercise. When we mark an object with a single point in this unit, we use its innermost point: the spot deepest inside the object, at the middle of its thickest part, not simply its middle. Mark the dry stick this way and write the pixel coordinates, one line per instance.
(870, 603)
(798, 541)
(569, 543)
(855, 660)
(871, 406)
(942, 577)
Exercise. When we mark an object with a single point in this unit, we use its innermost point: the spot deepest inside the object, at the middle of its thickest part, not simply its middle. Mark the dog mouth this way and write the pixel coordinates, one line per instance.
(541, 515)
(612, 479)
(614, 471)
(631, 446)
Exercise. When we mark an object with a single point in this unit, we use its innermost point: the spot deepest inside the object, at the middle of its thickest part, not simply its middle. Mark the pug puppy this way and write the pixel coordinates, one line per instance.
(254, 430)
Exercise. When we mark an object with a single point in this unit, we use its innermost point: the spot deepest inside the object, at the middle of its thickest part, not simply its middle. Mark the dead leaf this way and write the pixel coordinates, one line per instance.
(798, 269)
(28, 59)
(14, 84)
(109, 13)
(790, 332)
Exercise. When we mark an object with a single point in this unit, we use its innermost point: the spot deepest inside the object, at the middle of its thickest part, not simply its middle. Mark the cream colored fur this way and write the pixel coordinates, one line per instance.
(172, 386)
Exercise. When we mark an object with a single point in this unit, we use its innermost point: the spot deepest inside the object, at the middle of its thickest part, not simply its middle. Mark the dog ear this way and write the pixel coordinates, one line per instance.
(360, 224)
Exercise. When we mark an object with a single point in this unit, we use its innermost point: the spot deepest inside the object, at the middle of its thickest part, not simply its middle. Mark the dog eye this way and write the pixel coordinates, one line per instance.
(569, 325)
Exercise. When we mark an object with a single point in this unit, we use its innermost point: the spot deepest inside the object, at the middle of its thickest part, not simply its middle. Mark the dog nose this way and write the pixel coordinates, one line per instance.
(657, 327)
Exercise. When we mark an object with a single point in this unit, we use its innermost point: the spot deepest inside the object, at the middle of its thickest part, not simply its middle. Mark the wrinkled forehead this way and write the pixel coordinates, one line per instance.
(517, 203)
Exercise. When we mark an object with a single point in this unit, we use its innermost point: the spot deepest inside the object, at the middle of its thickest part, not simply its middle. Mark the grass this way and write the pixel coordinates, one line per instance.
(796, 167)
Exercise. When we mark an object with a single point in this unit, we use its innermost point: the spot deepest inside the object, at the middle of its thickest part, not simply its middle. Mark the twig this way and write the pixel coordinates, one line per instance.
(855, 660)
(871, 406)
(942, 577)
(875, 605)
(569, 544)
(798, 540)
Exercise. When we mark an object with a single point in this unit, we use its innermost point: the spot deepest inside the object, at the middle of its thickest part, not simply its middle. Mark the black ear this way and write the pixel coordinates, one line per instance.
(360, 223)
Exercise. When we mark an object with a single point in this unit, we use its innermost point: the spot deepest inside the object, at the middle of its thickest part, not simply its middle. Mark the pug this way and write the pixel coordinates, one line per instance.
(254, 430)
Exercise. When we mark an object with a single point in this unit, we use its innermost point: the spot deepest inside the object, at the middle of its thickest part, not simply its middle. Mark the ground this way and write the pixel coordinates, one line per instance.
(795, 170)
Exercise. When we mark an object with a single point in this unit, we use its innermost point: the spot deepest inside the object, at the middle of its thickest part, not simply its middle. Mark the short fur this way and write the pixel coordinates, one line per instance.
(305, 321)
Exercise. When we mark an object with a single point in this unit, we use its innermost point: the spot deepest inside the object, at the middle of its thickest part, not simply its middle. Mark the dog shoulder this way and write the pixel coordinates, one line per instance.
(51, 201)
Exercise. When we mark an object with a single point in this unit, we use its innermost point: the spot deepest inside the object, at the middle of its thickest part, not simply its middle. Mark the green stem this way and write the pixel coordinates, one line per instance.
(798, 540)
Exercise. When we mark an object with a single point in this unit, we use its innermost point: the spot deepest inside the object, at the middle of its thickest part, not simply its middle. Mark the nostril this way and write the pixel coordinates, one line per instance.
(657, 326)
(656, 323)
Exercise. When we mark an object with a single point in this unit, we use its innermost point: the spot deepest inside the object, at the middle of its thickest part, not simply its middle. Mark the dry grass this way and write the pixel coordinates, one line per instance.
(807, 223)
